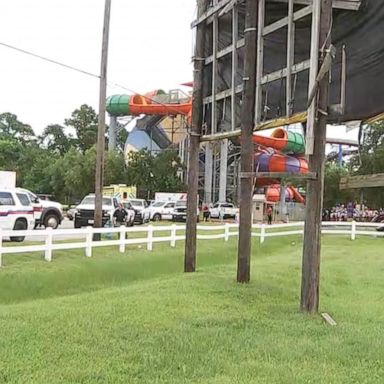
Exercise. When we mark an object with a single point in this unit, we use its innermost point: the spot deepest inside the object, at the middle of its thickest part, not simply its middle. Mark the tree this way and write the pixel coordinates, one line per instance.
(371, 160)
(84, 121)
(13, 129)
(121, 139)
(154, 173)
(56, 140)
(332, 193)
(115, 170)
(165, 170)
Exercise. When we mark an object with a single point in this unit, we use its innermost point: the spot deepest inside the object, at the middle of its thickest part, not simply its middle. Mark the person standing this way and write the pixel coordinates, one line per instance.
(269, 214)
(206, 212)
(120, 216)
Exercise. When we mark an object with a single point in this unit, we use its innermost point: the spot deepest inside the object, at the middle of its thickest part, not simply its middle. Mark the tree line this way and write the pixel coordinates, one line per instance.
(368, 160)
(61, 161)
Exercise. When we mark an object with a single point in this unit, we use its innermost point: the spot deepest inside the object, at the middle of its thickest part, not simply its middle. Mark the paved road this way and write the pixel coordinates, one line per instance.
(66, 224)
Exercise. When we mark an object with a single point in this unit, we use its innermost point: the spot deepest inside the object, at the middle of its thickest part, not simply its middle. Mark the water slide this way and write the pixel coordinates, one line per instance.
(272, 194)
(280, 152)
(148, 104)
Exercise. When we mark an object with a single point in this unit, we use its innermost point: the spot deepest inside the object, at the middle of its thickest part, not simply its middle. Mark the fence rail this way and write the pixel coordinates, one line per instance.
(173, 234)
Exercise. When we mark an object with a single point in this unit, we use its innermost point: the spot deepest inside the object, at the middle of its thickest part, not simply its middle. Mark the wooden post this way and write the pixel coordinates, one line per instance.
(262, 233)
(122, 238)
(173, 235)
(247, 123)
(314, 201)
(88, 242)
(194, 143)
(226, 232)
(290, 58)
(48, 245)
(100, 148)
(235, 26)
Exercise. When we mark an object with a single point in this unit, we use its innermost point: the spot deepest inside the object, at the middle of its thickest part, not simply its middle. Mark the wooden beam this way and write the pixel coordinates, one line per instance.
(209, 12)
(194, 145)
(310, 274)
(247, 123)
(363, 181)
(225, 51)
(301, 13)
(235, 26)
(280, 175)
(100, 146)
(260, 62)
(290, 59)
(215, 36)
(350, 5)
(314, 62)
(328, 319)
(269, 78)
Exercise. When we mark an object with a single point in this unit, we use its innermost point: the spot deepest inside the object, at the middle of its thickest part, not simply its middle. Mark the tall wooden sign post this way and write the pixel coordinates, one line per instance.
(247, 124)
(100, 148)
(194, 143)
(316, 156)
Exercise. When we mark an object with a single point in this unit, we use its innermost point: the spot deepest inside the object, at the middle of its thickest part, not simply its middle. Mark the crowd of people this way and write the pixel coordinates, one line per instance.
(352, 212)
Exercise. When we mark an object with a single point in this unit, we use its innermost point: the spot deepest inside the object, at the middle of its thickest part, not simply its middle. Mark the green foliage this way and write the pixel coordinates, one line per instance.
(84, 121)
(56, 140)
(154, 173)
(58, 163)
(136, 318)
(332, 193)
(13, 129)
(115, 171)
(371, 160)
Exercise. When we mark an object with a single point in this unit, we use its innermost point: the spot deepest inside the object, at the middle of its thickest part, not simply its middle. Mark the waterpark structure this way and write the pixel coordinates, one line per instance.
(282, 151)
(275, 63)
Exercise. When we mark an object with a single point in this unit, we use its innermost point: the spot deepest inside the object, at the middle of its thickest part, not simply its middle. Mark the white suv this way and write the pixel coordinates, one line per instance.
(48, 213)
(161, 210)
(16, 212)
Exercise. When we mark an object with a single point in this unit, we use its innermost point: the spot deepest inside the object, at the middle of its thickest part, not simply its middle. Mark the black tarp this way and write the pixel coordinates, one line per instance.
(362, 33)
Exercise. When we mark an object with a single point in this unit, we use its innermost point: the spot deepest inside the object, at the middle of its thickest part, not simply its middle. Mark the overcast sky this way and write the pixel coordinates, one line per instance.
(150, 48)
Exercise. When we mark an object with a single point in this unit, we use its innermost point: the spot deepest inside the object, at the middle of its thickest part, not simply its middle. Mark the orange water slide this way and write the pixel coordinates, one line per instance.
(282, 140)
(272, 194)
(132, 105)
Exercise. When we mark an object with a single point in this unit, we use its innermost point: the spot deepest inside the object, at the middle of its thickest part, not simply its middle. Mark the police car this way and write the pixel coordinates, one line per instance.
(16, 212)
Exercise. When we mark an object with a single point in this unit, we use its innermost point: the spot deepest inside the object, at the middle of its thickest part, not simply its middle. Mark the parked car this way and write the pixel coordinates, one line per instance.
(161, 210)
(141, 214)
(223, 210)
(47, 213)
(85, 211)
(16, 212)
(180, 211)
(71, 212)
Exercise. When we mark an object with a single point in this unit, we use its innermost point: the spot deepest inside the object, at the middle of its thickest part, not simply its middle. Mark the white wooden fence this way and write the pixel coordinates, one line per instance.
(125, 235)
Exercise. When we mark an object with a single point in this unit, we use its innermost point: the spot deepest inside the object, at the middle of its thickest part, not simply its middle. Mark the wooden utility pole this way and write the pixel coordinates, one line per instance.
(100, 149)
(247, 124)
(194, 142)
(314, 200)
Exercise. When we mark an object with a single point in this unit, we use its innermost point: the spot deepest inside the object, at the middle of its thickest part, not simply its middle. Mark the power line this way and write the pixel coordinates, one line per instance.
(49, 60)
(111, 84)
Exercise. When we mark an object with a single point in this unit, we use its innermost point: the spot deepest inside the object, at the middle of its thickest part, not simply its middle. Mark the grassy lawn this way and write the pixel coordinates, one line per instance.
(135, 318)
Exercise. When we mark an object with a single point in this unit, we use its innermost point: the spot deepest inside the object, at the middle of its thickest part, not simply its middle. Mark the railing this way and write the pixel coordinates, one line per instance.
(225, 231)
